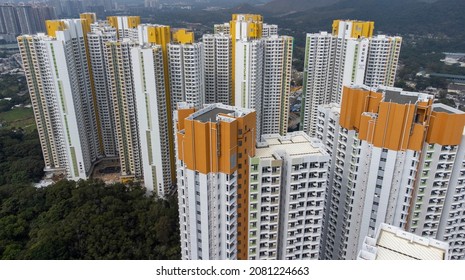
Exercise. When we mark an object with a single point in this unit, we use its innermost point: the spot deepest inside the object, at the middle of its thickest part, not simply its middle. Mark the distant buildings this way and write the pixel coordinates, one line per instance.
(18, 19)
(217, 55)
(348, 55)
(261, 63)
(72, 8)
(86, 105)
(185, 70)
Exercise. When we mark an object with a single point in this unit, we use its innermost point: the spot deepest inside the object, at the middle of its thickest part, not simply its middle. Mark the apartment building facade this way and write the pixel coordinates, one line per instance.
(351, 54)
(381, 143)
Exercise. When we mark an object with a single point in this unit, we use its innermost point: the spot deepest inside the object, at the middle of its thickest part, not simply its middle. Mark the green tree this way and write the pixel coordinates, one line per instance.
(86, 220)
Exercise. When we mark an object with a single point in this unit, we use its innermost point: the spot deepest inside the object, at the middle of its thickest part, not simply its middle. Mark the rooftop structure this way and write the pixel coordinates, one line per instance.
(393, 243)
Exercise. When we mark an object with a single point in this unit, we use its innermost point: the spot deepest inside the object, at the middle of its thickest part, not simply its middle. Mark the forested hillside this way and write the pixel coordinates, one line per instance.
(86, 220)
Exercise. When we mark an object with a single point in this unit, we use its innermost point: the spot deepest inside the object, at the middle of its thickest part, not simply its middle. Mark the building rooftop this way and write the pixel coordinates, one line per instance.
(294, 144)
(214, 112)
(397, 95)
(210, 116)
(393, 243)
(438, 107)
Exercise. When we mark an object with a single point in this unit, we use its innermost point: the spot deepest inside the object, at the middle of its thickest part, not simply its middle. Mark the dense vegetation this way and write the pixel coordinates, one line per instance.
(20, 157)
(14, 87)
(69, 220)
(86, 220)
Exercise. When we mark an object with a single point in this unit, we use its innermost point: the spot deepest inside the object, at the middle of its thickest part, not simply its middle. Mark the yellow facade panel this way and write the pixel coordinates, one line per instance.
(183, 36)
(133, 21)
(53, 26)
(91, 17)
(359, 28)
(362, 29)
(113, 21)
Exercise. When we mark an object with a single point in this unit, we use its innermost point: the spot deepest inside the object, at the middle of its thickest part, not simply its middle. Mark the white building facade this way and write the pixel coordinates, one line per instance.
(58, 78)
(152, 118)
(351, 55)
(287, 190)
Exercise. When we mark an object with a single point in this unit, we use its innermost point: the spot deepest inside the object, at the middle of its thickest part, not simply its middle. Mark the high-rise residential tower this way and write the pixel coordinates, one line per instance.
(348, 55)
(160, 35)
(100, 35)
(185, 69)
(396, 159)
(277, 66)
(57, 71)
(121, 89)
(217, 68)
(152, 118)
(238, 201)
(261, 70)
(213, 146)
(286, 197)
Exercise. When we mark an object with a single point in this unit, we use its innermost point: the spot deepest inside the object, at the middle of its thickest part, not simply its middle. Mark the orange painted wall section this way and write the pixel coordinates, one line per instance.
(354, 103)
(417, 138)
(199, 145)
(228, 147)
(445, 129)
(395, 126)
(246, 150)
(366, 127)
(182, 114)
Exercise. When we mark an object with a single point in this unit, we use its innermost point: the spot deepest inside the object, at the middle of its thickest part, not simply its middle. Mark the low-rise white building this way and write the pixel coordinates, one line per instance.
(393, 243)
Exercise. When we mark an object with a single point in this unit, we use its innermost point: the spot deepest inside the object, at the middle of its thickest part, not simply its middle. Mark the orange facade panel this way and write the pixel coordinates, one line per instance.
(228, 147)
(202, 148)
(189, 145)
(182, 114)
(394, 126)
(445, 129)
(367, 126)
(417, 137)
(213, 147)
(354, 103)
(352, 107)
(245, 150)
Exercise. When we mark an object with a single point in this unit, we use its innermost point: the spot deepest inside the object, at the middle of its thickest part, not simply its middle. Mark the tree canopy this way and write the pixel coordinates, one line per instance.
(86, 220)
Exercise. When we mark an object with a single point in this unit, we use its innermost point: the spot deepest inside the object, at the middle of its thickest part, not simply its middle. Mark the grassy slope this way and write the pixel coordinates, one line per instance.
(18, 117)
